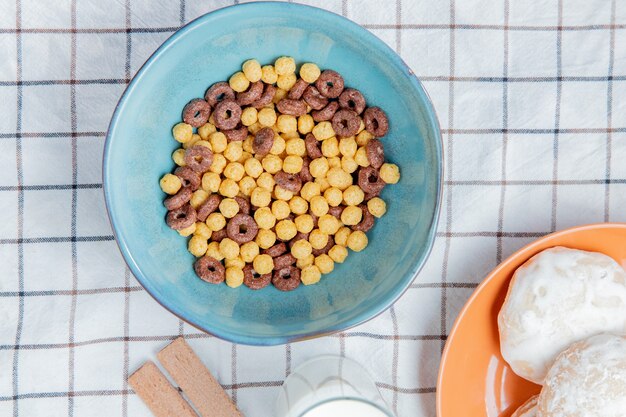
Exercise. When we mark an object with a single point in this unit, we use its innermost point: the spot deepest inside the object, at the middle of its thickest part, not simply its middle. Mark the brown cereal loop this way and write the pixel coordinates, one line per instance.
(199, 158)
(178, 200)
(210, 270)
(218, 235)
(291, 107)
(375, 153)
(227, 114)
(325, 249)
(330, 84)
(326, 113)
(314, 99)
(367, 222)
(263, 141)
(181, 217)
(219, 92)
(253, 280)
(305, 174)
(283, 261)
(253, 94)
(346, 123)
(240, 133)
(353, 100)
(209, 206)
(188, 177)
(369, 180)
(336, 211)
(244, 205)
(242, 228)
(266, 98)
(376, 121)
(291, 182)
(286, 279)
(313, 146)
(297, 237)
(297, 90)
(369, 196)
(196, 112)
(276, 250)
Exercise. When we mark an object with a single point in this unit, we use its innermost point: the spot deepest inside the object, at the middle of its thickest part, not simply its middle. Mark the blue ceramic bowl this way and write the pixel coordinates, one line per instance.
(139, 147)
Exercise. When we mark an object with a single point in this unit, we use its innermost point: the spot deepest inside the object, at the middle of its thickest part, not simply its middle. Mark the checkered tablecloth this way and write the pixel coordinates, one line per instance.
(531, 96)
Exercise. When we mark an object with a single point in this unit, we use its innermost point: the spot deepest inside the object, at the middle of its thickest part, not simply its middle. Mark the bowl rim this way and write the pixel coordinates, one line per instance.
(488, 280)
(433, 121)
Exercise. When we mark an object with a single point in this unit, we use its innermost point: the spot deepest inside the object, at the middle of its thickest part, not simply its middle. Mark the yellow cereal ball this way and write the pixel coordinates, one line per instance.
(287, 123)
(351, 215)
(248, 251)
(191, 142)
(301, 249)
(252, 70)
(304, 223)
(305, 124)
(266, 181)
(218, 142)
(282, 194)
(198, 197)
(278, 147)
(211, 182)
(334, 162)
(353, 195)
(319, 167)
(341, 237)
(328, 224)
(304, 262)
(361, 126)
(330, 147)
(253, 167)
(363, 137)
(182, 132)
(213, 251)
(285, 65)
(205, 130)
(249, 116)
(264, 218)
(279, 95)
(244, 157)
(247, 144)
(318, 239)
(361, 157)
(202, 230)
(286, 229)
(295, 146)
(310, 275)
(233, 151)
(216, 221)
(339, 178)
(234, 171)
(266, 117)
(197, 246)
(286, 81)
(200, 142)
(377, 207)
(268, 74)
(235, 262)
(234, 276)
(260, 197)
(272, 163)
(280, 209)
(348, 164)
(323, 131)
(178, 156)
(348, 146)
(187, 231)
(298, 205)
(229, 188)
(246, 185)
(290, 135)
(219, 162)
(323, 183)
(338, 253)
(324, 263)
(292, 164)
(170, 184)
(229, 248)
(357, 241)
(265, 238)
(263, 264)
(390, 173)
(333, 196)
(318, 205)
(309, 72)
(229, 207)
(239, 82)
(309, 190)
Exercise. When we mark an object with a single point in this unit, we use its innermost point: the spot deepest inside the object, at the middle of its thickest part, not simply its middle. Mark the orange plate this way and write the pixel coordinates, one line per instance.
(474, 380)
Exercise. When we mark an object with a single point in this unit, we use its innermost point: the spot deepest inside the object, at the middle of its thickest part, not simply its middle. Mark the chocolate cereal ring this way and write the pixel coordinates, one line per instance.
(210, 270)
(263, 141)
(244, 205)
(375, 153)
(369, 196)
(313, 146)
(276, 250)
(283, 261)
(336, 211)
(188, 177)
(367, 222)
(218, 235)
(353, 100)
(199, 158)
(253, 280)
(291, 107)
(196, 112)
(376, 121)
(286, 279)
(178, 200)
(209, 206)
(314, 99)
(291, 182)
(305, 173)
(297, 90)
(181, 217)
(227, 114)
(242, 228)
(325, 249)
(369, 180)
(238, 134)
(219, 92)
(253, 94)
(266, 98)
(346, 123)
(330, 84)
(326, 113)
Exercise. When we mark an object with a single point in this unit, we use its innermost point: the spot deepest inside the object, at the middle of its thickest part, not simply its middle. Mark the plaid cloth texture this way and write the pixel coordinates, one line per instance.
(531, 96)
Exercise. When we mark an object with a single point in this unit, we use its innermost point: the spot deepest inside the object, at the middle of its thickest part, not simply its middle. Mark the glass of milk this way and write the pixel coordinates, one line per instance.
(330, 386)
